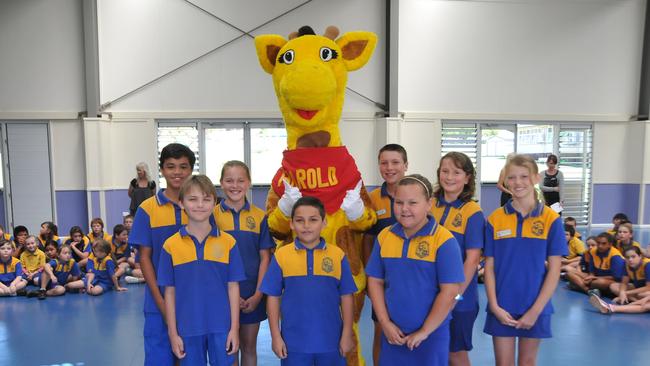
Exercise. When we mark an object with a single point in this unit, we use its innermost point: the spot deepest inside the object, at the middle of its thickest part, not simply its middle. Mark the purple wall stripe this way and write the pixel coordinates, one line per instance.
(608, 199)
(117, 201)
(94, 199)
(71, 210)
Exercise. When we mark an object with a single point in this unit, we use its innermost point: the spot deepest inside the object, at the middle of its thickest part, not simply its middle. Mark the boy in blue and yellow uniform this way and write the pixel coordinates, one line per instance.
(576, 249)
(605, 266)
(200, 267)
(158, 218)
(58, 272)
(315, 283)
(11, 280)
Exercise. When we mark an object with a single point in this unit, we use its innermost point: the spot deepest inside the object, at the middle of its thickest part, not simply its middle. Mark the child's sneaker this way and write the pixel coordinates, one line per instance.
(600, 304)
(42, 294)
(594, 291)
(21, 292)
(132, 280)
(32, 293)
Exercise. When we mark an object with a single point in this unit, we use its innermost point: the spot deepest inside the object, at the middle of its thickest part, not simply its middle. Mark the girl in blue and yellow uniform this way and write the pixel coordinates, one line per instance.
(100, 276)
(80, 246)
(48, 232)
(247, 224)
(636, 280)
(520, 238)
(453, 207)
(415, 272)
(58, 272)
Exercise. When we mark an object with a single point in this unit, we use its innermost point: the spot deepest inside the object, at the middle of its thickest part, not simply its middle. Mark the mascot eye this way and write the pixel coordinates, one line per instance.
(287, 57)
(327, 54)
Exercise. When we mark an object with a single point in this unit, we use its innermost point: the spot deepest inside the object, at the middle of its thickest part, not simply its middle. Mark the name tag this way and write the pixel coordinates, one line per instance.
(381, 212)
(502, 233)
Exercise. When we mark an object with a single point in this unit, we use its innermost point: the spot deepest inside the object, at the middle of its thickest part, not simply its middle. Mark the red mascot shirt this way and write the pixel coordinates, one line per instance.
(322, 172)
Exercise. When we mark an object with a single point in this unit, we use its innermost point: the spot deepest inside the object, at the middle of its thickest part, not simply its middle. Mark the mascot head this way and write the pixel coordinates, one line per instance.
(309, 75)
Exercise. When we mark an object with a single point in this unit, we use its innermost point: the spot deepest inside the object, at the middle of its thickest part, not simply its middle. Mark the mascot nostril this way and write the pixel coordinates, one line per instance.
(310, 86)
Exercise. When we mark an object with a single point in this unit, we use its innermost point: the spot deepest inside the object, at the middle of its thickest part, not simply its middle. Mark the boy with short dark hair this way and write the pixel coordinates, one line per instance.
(158, 218)
(200, 266)
(576, 249)
(573, 222)
(313, 332)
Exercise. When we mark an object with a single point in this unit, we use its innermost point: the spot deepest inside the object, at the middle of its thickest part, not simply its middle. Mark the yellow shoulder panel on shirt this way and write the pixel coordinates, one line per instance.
(327, 262)
(224, 219)
(391, 245)
(505, 226)
(251, 220)
(425, 248)
(217, 249)
(539, 227)
(292, 262)
(181, 249)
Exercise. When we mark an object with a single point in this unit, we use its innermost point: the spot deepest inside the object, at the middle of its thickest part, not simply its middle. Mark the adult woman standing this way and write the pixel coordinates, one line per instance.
(552, 182)
(141, 187)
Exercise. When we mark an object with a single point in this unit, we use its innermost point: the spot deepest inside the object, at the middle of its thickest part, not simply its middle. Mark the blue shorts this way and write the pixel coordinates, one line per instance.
(105, 286)
(157, 350)
(256, 316)
(433, 351)
(541, 329)
(460, 330)
(313, 359)
(212, 346)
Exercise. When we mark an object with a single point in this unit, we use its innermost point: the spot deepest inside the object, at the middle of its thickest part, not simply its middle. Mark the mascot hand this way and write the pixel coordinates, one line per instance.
(352, 203)
(289, 198)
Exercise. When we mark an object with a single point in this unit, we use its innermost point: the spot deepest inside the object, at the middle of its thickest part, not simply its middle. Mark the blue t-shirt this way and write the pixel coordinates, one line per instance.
(520, 247)
(10, 270)
(104, 270)
(413, 269)
(63, 270)
(466, 223)
(610, 263)
(250, 229)
(200, 272)
(311, 283)
(156, 219)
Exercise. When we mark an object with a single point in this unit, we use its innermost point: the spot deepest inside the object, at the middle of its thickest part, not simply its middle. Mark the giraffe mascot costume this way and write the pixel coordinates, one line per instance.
(309, 75)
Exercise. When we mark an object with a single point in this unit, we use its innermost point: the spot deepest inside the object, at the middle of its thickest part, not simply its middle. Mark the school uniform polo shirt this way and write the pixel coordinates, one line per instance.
(311, 283)
(10, 270)
(156, 219)
(413, 268)
(466, 223)
(610, 263)
(120, 250)
(32, 261)
(104, 269)
(641, 275)
(382, 203)
(200, 272)
(576, 248)
(41, 241)
(86, 248)
(105, 236)
(620, 247)
(250, 229)
(64, 269)
(520, 247)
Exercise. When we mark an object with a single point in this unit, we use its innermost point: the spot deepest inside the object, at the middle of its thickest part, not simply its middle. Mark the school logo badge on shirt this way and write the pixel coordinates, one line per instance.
(422, 249)
(538, 228)
(250, 222)
(458, 220)
(327, 265)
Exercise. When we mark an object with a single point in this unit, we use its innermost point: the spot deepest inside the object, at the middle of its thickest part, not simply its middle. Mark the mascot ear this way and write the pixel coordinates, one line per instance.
(357, 48)
(268, 46)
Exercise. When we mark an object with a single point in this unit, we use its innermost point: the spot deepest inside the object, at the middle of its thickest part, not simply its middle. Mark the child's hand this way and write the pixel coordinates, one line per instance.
(119, 289)
(504, 317)
(177, 346)
(251, 303)
(622, 298)
(88, 288)
(346, 344)
(527, 320)
(414, 339)
(232, 342)
(279, 348)
(393, 334)
(242, 303)
(54, 280)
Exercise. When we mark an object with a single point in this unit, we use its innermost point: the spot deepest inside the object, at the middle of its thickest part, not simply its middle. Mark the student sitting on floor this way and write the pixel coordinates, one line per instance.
(121, 250)
(80, 246)
(48, 232)
(572, 221)
(101, 271)
(640, 306)
(586, 256)
(571, 262)
(32, 260)
(20, 235)
(625, 237)
(606, 264)
(618, 219)
(51, 249)
(58, 272)
(636, 280)
(97, 230)
(11, 270)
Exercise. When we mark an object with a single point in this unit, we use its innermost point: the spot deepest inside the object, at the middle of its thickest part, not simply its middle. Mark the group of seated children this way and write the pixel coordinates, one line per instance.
(78, 263)
(613, 265)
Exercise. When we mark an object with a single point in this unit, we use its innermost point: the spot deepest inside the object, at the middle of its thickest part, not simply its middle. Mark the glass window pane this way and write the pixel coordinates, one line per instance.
(222, 145)
(267, 145)
(496, 144)
(536, 141)
(186, 135)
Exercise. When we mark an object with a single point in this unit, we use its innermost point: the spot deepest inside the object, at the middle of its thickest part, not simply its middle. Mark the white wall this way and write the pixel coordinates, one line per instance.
(68, 152)
(41, 59)
(566, 59)
(141, 40)
(617, 152)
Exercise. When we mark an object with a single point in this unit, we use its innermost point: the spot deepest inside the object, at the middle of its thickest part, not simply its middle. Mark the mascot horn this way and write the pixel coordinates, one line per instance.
(309, 75)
